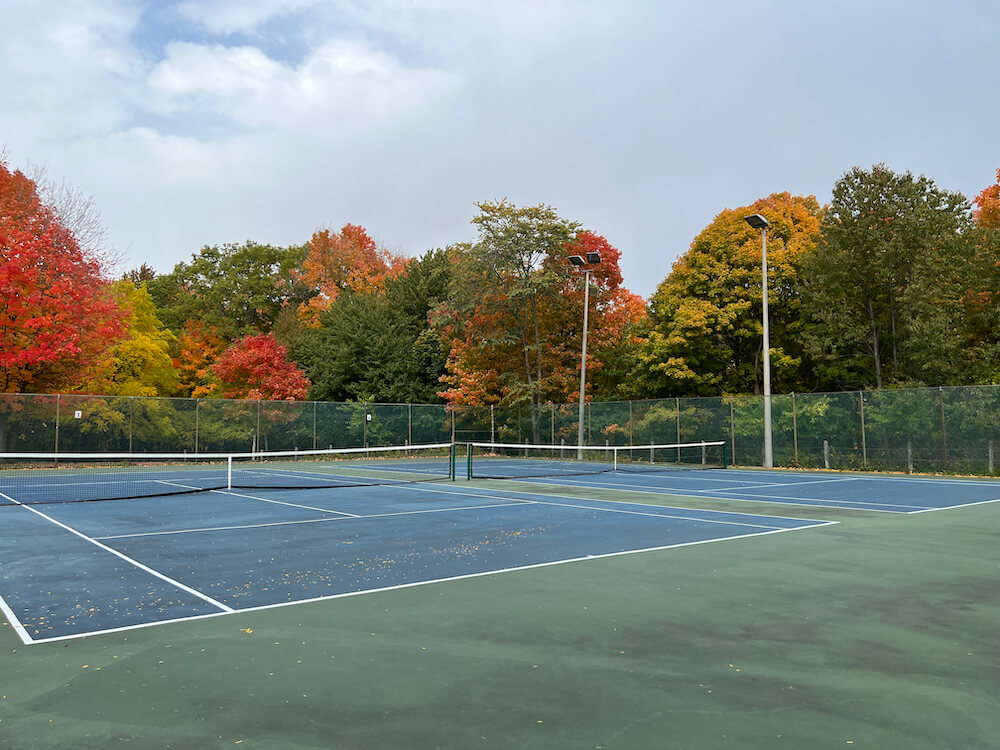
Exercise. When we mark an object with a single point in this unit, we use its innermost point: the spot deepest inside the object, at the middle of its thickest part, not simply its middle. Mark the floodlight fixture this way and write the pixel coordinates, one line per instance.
(577, 260)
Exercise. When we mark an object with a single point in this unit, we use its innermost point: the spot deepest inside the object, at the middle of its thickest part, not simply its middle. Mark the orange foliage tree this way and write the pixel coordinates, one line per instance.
(348, 259)
(198, 347)
(987, 211)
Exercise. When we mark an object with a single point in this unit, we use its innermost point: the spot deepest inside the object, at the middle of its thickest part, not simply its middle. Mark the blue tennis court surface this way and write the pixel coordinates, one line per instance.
(74, 569)
(894, 494)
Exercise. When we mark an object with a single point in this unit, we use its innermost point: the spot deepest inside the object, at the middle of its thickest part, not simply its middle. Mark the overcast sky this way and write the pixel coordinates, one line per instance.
(201, 122)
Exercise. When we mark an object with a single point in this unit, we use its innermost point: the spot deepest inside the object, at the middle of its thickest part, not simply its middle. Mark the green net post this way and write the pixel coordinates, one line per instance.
(451, 464)
(468, 461)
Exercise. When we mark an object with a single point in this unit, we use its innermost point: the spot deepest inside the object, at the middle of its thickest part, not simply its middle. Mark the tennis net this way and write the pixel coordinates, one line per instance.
(34, 478)
(514, 461)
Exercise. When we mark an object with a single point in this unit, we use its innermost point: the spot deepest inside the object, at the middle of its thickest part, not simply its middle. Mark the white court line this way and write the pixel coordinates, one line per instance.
(822, 500)
(414, 584)
(788, 484)
(598, 483)
(614, 510)
(806, 502)
(116, 553)
(875, 477)
(14, 622)
(953, 507)
(268, 500)
(308, 520)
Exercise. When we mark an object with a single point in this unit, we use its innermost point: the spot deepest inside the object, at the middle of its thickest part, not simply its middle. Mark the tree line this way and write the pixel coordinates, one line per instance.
(894, 283)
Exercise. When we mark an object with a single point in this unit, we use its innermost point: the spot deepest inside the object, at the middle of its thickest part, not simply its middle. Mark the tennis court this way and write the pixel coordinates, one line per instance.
(692, 470)
(196, 538)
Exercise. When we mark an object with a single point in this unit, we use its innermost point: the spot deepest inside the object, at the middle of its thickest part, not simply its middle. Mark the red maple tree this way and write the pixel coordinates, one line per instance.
(58, 315)
(257, 367)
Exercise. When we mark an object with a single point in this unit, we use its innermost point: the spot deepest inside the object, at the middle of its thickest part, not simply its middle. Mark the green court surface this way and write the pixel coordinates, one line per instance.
(876, 632)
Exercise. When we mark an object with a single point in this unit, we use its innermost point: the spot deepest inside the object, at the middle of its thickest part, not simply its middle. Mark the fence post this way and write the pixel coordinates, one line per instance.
(732, 428)
(677, 406)
(630, 437)
(909, 456)
(131, 420)
(826, 455)
(552, 419)
(197, 413)
(990, 451)
(314, 426)
(944, 433)
(409, 423)
(795, 430)
(58, 402)
(864, 444)
(493, 425)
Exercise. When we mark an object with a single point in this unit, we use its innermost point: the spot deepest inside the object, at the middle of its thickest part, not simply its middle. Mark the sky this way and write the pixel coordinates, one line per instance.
(204, 122)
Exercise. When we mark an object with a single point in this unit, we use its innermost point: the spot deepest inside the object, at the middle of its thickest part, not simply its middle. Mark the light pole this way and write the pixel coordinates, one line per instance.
(759, 222)
(578, 261)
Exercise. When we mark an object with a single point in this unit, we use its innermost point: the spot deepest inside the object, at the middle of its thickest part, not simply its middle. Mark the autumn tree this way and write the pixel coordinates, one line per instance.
(705, 332)
(141, 364)
(884, 285)
(338, 261)
(257, 367)
(58, 317)
(987, 211)
(514, 316)
(197, 348)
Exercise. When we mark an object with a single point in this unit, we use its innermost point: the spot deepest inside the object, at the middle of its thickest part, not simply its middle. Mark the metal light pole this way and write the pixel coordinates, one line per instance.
(578, 261)
(759, 222)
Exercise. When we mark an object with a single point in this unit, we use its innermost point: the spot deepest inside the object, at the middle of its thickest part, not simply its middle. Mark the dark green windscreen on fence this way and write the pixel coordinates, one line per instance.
(954, 430)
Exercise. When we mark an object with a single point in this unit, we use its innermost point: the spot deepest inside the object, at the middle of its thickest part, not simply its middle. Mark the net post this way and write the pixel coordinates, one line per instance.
(451, 464)
(229, 472)
(468, 461)
(614, 458)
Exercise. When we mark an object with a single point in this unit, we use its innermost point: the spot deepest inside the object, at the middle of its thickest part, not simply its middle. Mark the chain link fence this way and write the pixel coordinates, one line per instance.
(947, 430)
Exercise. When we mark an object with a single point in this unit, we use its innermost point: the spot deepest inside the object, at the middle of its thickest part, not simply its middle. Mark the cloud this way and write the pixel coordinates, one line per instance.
(224, 17)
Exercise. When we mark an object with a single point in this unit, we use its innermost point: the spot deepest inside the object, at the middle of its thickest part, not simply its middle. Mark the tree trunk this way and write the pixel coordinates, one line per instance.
(876, 352)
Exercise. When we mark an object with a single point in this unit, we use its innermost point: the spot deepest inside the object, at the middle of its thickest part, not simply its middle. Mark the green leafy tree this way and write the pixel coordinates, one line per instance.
(884, 285)
(705, 333)
(378, 345)
(237, 290)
